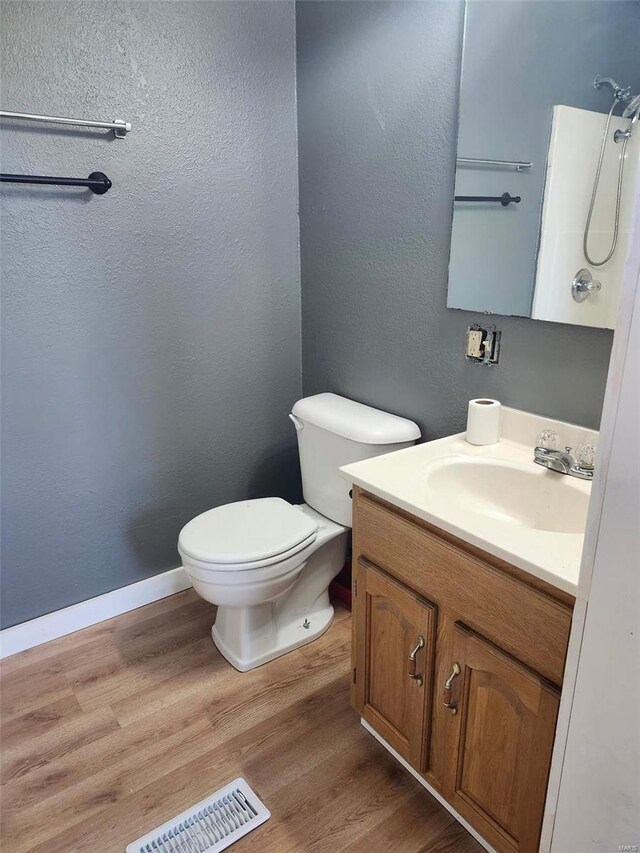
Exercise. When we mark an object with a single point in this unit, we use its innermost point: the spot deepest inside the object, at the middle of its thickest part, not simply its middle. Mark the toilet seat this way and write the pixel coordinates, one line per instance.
(247, 534)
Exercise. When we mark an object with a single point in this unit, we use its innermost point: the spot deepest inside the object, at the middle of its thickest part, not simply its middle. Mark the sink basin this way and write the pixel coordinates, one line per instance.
(517, 494)
(494, 496)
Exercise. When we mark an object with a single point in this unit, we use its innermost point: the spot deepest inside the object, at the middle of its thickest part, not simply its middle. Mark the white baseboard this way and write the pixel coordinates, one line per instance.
(90, 612)
(426, 785)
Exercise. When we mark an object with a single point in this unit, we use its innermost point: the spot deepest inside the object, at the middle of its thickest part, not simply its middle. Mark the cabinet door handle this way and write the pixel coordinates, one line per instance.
(455, 672)
(411, 671)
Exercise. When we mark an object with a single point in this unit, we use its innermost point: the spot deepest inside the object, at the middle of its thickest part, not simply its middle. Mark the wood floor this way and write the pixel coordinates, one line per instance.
(111, 731)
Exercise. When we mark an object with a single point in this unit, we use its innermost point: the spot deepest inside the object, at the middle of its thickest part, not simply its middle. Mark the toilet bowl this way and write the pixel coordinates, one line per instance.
(267, 563)
(273, 598)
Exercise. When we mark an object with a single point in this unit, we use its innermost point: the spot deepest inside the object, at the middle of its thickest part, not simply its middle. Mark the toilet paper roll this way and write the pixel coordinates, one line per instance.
(483, 421)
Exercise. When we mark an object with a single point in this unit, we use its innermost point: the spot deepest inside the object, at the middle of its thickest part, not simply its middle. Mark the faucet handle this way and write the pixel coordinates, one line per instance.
(586, 454)
(548, 439)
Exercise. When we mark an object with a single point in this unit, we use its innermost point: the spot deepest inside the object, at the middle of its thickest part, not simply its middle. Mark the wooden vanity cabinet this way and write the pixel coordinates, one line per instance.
(393, 692)
(500, 747)
(458, 660)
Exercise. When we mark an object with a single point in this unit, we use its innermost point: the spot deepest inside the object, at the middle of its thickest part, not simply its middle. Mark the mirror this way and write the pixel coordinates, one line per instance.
(539, 79)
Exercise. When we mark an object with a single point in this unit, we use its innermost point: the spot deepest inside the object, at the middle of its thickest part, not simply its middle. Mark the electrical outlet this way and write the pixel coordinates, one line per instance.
(483, 345)
(475, 339)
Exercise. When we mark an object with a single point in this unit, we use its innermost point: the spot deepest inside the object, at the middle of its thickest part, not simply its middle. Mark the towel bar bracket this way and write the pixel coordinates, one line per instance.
(120, 128)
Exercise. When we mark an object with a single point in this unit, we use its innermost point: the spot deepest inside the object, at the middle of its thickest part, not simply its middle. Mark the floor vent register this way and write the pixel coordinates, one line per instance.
(213, 824)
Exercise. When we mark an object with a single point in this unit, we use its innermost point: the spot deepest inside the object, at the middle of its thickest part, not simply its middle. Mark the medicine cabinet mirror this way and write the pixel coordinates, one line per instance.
(542, 84)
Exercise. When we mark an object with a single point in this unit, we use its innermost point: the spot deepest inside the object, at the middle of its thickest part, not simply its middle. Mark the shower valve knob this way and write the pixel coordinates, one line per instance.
(583, 285)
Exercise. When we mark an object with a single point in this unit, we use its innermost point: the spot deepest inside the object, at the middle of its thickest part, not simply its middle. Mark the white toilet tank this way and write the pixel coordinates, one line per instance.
(333, 431)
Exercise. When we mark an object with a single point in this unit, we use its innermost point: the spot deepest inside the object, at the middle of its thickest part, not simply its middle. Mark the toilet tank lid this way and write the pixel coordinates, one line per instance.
(354, 421)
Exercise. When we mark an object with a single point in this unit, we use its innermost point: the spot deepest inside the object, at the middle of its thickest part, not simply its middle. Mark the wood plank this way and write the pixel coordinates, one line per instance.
(71, 801)
(33, 723)
(329, 800)
(30, 688)
(131, 624)
(416, 826)
(106, 764)
(147, 744)
(25, 755)
(136, 664)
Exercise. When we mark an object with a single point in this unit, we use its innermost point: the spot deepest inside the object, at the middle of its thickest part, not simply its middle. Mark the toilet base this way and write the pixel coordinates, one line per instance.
(256, 633)
(276, 638)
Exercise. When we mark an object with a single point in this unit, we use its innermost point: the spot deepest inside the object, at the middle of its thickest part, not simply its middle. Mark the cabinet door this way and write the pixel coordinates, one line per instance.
(503, 726)
(393, 656)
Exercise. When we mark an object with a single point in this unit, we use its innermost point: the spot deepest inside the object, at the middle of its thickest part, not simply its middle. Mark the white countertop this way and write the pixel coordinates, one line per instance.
(400, 479)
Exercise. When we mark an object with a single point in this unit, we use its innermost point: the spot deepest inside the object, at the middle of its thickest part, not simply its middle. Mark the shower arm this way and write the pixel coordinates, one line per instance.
(619, 93)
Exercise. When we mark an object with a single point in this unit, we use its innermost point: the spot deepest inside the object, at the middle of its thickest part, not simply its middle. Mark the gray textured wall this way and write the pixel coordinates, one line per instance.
(520, 58)
(377, 104)
(151, 335)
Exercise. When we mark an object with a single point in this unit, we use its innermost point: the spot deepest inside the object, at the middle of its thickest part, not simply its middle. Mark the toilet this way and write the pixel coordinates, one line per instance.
(267, 563)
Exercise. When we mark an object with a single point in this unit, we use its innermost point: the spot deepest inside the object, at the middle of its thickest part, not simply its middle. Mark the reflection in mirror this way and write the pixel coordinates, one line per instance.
(548, 150)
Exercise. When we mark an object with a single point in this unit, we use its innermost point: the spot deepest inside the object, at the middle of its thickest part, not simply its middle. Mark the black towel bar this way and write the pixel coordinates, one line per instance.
(504, 199)
(97, 182)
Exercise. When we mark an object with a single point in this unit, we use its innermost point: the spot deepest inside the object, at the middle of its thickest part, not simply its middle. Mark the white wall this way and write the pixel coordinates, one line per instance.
(576, 140)
(599, 801)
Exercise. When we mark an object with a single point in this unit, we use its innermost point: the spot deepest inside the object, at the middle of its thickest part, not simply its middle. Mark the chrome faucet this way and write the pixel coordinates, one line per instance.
(563, 462)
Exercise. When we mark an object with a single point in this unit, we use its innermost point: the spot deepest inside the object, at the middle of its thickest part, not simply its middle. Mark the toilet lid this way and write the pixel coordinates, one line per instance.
(261, 530)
